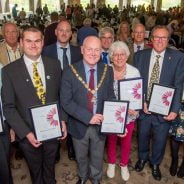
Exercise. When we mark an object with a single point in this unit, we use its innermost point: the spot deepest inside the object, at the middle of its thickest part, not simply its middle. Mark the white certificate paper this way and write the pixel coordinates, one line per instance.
(132, 90)
(1, 126)
(161, 99)
(115, 116)
(46, 122)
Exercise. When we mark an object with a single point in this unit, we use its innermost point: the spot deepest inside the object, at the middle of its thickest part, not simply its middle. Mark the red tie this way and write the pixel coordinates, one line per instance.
(90, 95)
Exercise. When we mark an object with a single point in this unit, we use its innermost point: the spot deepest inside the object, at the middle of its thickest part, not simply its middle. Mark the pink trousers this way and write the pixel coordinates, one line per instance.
(125, 146)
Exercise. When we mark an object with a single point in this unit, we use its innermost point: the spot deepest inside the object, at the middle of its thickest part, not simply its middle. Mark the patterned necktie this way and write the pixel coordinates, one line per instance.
(155, 75)
(104, 59)
(65, 58)
(138, 48)
(89, 95)
(38, 84)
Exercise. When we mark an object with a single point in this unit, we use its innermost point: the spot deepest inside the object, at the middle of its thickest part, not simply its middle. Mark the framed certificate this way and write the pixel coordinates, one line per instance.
(132, 90)
(46, 121)
(115, 116)
(161, 99)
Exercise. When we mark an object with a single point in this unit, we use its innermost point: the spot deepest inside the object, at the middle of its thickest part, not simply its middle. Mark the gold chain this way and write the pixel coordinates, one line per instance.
(92, 91)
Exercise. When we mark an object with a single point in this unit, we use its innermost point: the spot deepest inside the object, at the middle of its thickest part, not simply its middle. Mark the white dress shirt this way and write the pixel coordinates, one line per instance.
(153, 60)
(40, 68)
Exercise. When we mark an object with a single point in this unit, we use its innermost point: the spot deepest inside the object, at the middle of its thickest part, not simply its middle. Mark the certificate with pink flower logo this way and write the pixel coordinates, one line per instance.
(115, 116)
(46, 122)
(161, 99)
(131, 90)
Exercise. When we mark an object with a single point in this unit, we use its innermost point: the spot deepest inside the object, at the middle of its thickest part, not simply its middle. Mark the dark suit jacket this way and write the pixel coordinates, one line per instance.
(49, 34)
(172, 73)
(74, 97)
(51, 51)
(19, 94)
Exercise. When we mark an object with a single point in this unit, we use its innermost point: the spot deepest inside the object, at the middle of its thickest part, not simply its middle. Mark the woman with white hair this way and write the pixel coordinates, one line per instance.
(119, 54)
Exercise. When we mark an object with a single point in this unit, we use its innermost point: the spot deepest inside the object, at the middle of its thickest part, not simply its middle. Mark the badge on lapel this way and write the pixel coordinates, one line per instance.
(48, 77)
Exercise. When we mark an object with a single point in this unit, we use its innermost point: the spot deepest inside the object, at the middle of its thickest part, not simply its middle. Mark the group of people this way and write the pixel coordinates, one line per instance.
(80, 79)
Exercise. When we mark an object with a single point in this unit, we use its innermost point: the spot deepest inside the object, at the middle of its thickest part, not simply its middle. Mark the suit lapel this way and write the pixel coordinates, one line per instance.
(72, 54)
(146, 68)
(27, 79)
(166, 65)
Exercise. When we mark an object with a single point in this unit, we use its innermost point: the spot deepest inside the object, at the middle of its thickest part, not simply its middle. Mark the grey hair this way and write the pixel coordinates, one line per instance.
(87, 21)
(106, 30)
(119, 45)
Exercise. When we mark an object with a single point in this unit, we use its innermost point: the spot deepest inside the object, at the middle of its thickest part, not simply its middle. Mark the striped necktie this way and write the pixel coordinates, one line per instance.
(104, 59)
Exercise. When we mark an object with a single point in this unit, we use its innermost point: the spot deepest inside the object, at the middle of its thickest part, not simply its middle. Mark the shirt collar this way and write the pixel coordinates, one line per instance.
(141, 45)
(29, 61)
(59, 45)
(87, 68)
(156, 53)
(10, 48)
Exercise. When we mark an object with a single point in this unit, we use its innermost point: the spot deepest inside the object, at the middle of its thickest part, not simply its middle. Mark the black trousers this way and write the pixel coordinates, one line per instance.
(5, 172)
(41, 161)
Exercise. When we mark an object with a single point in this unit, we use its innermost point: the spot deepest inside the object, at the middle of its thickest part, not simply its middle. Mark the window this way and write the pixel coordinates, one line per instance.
(21, 4)
(140, 2)
(52, 6)
(112, 3)
(166, 4)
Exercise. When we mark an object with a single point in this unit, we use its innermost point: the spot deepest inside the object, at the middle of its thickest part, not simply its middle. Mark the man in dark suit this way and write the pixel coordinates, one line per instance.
(138, 36)
(67, 54)
(5, 172)
(20, 92)
(85, 85)
(166, 67)
(106, 35)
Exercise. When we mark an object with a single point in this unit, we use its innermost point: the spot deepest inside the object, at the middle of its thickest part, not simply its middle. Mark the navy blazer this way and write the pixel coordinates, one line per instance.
(172, 73)
(51, 51)
(74, 97)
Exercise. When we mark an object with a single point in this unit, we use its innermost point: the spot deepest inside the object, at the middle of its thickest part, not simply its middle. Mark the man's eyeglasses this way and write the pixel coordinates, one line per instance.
(162, 38)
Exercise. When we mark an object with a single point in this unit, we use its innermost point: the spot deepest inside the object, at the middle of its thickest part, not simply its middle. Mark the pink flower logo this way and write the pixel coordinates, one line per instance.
(51, 117)
(136, 92)
(119, 114)
(166, 98)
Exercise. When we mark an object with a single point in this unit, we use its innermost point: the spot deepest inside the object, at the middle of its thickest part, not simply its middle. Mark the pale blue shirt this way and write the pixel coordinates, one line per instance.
(60, 53)
(87, 73)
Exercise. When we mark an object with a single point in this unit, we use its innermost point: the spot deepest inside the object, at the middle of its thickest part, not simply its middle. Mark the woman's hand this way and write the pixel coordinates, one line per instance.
(123, 135)
(133, 112)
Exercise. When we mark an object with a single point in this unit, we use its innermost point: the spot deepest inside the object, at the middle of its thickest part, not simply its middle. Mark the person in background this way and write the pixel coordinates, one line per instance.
(138, 35)
(123, 33)
(106, 36)
(10, 48)
(66, 54)
(85, 31)
(49, 34)
(119, 53)
(14, 11)
(177, 141)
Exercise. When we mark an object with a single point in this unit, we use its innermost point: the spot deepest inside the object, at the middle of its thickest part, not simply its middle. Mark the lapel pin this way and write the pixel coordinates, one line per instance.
(27, 80)
(169, 58)
(48, 77)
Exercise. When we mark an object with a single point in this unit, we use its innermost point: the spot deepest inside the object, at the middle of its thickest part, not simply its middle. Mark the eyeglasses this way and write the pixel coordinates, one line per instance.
(162, 38)
(90, 50)
(138, 32)
(119, 55)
